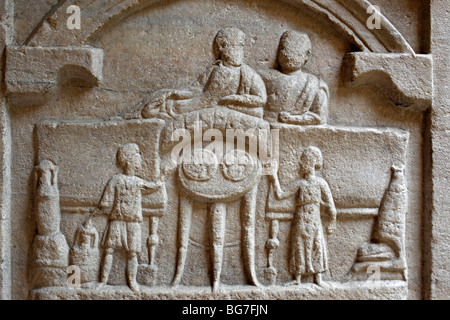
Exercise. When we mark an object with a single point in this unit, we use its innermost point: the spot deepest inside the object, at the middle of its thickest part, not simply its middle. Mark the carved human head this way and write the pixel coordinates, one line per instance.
(229, 46)
(294, 51)
(311, 159)
(129, 157)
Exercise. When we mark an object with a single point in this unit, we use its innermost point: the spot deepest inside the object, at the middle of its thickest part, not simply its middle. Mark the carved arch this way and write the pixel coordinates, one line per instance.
(348, 17)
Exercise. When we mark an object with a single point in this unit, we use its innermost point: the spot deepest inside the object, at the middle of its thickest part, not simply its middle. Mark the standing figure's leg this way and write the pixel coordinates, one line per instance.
(298, 278)
(132, 269)
(318, 279)
(271, 245)
(320, 259)
(298, 251)
(106, 267)
(248, 212)
(185, 213)
(218, 213)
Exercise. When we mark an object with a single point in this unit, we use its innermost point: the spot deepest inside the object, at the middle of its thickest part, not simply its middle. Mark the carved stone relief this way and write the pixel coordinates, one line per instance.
(230, 95)
(257, 180)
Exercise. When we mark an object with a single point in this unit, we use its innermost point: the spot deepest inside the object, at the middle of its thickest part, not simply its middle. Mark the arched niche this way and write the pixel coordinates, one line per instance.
(348, 17)
(378, 57)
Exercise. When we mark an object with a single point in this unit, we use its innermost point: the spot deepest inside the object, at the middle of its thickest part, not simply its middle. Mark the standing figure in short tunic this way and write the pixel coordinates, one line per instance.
(122, 202)
(309, 250)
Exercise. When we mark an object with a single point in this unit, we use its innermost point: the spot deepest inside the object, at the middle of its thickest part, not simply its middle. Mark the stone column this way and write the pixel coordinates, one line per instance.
(6, 38)
(437, 183)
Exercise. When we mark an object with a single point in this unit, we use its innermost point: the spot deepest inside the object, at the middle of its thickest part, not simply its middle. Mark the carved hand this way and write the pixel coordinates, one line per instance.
(160, 182)
(232, 99)
(167, 169)
(331, 227)
(272, 167)
(152, 109)
(284, 116)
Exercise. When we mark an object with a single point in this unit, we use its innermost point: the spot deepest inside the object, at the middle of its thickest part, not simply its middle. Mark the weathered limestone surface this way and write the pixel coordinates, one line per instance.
(242, 149)
(391, 290)
(437, 243)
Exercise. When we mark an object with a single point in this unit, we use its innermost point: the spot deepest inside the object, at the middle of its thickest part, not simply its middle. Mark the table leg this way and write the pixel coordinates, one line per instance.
(185, 214)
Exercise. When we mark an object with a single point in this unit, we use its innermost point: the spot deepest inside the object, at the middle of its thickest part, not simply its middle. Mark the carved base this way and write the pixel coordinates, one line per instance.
(90, 273)
(50, 259)
(89, 264)
(270, 275)
(394, 267)
(390, 290)
(49, 276)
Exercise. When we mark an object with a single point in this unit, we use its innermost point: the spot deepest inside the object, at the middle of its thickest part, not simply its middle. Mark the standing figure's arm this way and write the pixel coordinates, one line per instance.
(328, 203)
(155, 186)
(149, 187)
(105, 204)
(281, 194)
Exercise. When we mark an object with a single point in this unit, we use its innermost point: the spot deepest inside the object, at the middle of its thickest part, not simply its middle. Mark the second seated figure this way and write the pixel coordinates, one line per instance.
(295, 97)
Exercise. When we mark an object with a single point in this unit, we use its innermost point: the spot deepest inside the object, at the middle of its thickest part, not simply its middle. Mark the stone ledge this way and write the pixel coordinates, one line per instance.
(407, 80)
(383, 290)
(34, 73)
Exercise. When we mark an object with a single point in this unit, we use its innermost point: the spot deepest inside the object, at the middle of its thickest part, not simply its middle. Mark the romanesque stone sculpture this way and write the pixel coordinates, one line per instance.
(212, 183)
(121, 201)
(309, 249)
(294, 96)
(50, 252)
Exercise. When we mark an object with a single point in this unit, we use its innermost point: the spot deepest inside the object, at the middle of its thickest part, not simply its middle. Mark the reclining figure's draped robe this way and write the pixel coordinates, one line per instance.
(303, 97)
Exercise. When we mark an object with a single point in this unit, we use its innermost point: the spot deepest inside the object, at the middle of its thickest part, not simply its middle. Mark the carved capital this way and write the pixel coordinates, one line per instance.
(34, 73)
(404, 78)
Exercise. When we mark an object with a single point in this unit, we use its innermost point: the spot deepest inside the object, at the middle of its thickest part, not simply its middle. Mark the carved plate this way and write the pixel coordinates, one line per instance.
(237, 165)
(227, 184)
(201, 165)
